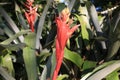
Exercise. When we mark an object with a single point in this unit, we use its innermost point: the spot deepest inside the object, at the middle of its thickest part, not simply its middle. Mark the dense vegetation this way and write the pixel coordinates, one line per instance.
(28, 30)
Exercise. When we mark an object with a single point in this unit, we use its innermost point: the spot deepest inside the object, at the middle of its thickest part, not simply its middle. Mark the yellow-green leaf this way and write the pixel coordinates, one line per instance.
(84, 31)
(73, 57)
(113, 76)
(7, 62)
(61, 77)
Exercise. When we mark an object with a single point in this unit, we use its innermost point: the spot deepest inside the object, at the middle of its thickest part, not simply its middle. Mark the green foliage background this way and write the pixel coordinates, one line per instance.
(92, 52)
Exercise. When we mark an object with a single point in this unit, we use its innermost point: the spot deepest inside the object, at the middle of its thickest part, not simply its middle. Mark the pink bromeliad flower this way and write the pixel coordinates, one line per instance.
(63, 34)
(30, 14)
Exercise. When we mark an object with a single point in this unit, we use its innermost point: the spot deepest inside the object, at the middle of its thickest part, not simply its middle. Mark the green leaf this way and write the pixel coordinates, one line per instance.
(102, 71)
(14, 47)
(84, 31)
(73, 57)
(94, 17)
(79, 43)
(1, 30)
(43, 55)
(2, 48)
(8, 41)
(41, 23)
(96, 69)
(60, 7)
(44, 73)
(5, 75)
(85, 17)
(113, 76)
(9, 33)
(13, 26)
(7, 62)
(30, 57)
(114, 36)
(49, 67)
(53, 63)
(88, 65)
(61, 77)
(20, 16)
(114, 47)
(100, 38)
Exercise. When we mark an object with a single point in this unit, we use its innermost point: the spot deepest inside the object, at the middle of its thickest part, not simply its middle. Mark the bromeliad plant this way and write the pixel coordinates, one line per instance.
(20, 59)
(63, 34)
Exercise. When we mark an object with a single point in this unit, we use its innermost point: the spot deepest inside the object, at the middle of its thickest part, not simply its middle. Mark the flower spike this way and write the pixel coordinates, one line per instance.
(63, 34)
(30, 13)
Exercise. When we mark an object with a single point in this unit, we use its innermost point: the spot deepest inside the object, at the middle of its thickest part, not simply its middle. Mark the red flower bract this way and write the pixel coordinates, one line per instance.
(30, 14)
(63, 34)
